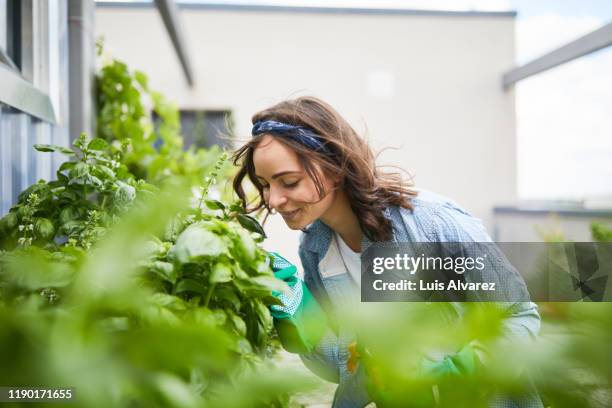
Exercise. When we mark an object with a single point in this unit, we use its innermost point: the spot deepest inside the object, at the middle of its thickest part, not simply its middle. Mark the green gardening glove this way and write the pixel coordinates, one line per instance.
(465, 362)
(300, 322)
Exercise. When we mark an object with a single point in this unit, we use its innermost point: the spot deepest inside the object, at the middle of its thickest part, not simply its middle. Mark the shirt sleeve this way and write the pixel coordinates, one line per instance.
(323, 361)
(451, 223)
(454, 224)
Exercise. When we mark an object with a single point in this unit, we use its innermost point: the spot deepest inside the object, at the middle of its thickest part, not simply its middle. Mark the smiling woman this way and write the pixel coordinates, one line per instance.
(290, 192)
(309, 165)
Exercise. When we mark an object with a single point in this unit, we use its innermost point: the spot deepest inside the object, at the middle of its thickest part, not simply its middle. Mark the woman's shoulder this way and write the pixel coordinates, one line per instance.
(437, 217)
(430, 199)
(427, 202)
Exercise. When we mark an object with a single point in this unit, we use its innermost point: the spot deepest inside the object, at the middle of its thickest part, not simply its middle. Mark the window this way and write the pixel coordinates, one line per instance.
(204, 128)
(25, 29)
(10, 34)
(33, 92)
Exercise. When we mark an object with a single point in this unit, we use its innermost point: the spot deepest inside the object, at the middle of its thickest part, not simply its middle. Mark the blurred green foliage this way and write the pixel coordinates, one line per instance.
(151, 151)
(601, 233)
(121, 280)
(570, 363)
(165, 313)
(574, 365)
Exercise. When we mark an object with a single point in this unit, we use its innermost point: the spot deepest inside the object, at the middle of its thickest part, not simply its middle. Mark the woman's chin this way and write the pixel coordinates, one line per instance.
(294, 227)
(296, 224)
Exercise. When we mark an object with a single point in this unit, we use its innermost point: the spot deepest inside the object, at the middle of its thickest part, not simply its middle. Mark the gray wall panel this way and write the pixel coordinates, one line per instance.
(6, 190)
(20, 165)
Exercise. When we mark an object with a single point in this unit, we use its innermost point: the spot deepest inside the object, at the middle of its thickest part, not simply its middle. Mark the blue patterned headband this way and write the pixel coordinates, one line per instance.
(300, 134)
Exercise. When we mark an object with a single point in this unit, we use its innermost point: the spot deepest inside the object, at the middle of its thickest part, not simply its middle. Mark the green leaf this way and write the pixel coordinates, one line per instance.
(44, 228)
(79, 170)
(69, 165)
(94, 181)
(272, 300)
(98, 144)
(171, 302)
(44, 148)
(123, 173)
(142, 79)
(175, 391)
(264, 315)
(238, 323)
(11, 220)
(239, 272)
(251, 224)
(68, 214)
(36, 270)
(214, 205)
(53, 148)
(245, 246)
(125, 193)
(196, 242)
(209, 317)
(73, 227)
(226, 293)
(191, 285)
(221, 273)
(236, 206)
(152, 248)
(270, 283)
(164, 270)
(106, 171)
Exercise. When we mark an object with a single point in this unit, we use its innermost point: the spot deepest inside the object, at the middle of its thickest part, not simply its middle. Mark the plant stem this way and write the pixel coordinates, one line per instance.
(209, 294)
(204, 192)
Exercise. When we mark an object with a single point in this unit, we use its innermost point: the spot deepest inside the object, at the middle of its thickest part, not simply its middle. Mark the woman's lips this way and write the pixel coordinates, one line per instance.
(289, 215)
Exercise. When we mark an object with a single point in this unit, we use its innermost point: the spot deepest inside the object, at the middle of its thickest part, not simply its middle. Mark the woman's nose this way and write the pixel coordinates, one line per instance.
(276, 198)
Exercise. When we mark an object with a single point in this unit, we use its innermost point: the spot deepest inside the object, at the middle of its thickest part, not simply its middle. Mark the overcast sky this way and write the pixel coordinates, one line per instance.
(564, 116)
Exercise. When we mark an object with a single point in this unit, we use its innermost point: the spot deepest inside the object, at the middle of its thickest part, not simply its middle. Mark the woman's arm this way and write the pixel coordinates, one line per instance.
(323, 360)
(301, 324)
(454, 224)
(450, 223)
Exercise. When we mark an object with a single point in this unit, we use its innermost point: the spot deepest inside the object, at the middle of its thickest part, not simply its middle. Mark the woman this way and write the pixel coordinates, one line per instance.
(310, 166)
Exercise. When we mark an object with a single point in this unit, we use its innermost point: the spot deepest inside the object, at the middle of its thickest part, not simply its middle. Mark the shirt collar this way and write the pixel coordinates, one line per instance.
(318, 236)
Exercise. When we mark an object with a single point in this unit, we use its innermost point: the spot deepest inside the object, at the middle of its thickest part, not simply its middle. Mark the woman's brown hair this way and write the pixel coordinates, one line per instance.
(369, 189)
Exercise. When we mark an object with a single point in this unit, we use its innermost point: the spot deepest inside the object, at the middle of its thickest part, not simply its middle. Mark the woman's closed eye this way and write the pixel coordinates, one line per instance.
(291, 185)
(284, 184)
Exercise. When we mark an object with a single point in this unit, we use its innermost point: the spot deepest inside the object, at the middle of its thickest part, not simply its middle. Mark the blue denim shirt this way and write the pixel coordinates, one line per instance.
(434, 218)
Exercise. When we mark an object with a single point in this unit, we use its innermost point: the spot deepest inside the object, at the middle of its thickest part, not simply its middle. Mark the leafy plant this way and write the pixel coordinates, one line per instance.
(152, 151)
(90, 192)
(139, 285)
(601, 233)
(196, 277)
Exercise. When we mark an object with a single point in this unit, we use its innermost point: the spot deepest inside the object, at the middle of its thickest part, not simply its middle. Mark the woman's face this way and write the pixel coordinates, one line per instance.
(287, 187)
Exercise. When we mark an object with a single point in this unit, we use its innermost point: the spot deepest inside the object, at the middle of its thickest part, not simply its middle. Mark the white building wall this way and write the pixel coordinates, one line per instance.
(426, 84)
